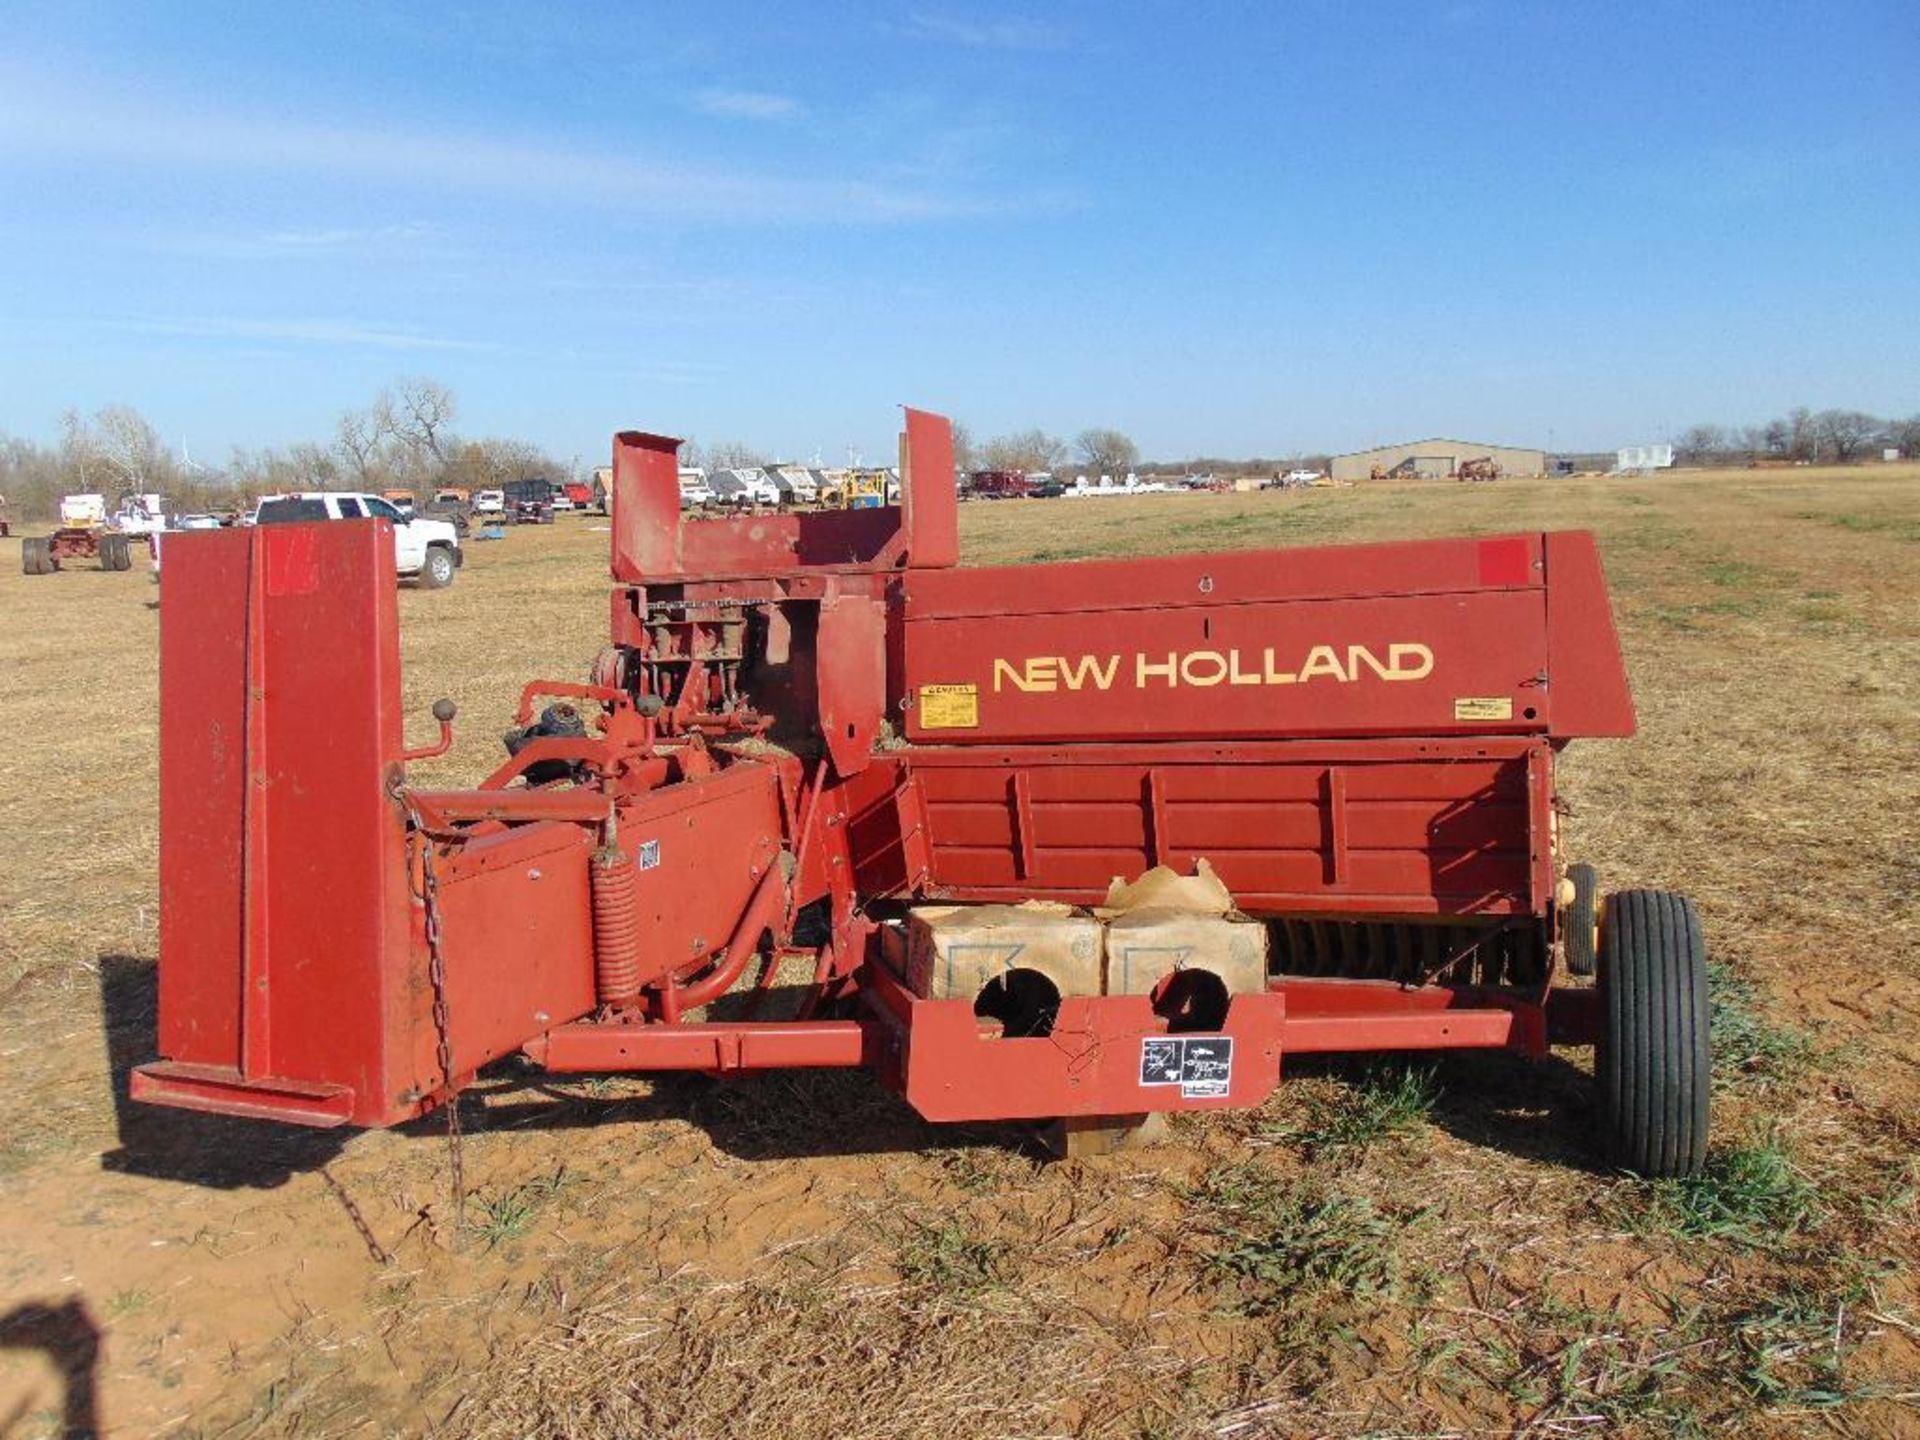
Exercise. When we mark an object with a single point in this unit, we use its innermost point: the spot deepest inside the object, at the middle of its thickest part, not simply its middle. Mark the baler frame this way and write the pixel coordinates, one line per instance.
(810, 722)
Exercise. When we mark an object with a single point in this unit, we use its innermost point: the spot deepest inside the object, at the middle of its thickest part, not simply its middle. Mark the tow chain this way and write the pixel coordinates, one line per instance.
(443, 1037)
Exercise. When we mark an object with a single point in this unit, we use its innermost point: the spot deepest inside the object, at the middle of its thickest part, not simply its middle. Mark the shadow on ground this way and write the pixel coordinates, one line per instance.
(1537, 1110)
(1533, 1109)
(181, 1145)
(66, 1332)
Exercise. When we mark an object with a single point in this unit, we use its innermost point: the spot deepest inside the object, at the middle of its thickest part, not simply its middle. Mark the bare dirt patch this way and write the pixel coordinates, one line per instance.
(1378, 1250)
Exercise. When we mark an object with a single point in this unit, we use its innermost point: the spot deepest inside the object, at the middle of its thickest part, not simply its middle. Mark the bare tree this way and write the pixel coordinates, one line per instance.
(963, 456)
(356, 440)
(1844, 433)
(1701, 444)
(117, 449)
(1107, 452)
(1905, 434)
(1028, 450)
(489, 464)
(732, 455)
(417, 414)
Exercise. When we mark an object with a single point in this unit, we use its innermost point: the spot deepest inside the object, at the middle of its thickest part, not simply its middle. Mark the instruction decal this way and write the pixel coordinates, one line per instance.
(950, 707)
(647, 855)
(1201, 1065)
(1483, 707)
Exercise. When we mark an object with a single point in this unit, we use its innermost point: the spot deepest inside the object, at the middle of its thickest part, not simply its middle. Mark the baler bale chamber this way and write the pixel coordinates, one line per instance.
(812, 736)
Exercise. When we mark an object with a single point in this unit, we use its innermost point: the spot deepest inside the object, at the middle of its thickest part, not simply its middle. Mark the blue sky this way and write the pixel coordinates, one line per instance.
(1225, 228)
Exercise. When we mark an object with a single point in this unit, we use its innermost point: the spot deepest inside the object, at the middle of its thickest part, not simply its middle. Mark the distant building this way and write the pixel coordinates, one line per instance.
(1435, 460)
(1632, 459)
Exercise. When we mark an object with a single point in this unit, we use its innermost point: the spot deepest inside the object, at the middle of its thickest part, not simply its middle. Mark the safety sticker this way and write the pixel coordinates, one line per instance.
(949, 707)
(1201, 1065)
(647, 856)
(1483, 707)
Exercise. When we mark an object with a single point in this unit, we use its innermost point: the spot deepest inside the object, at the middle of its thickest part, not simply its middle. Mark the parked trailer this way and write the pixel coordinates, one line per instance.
(809, 729)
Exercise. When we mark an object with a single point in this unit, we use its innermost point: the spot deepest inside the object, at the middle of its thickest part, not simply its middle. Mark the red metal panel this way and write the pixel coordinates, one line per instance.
(1346, 1016)
(517, 926)
(282, 855)
(1089, 1065)
(702, 847)
(1402, 832)
(645, 507)
(850, 651)
(334, 896)
(1241, 577)
(1468, 662)
(203, 737)
(1583, 649)
(716, 1048)
(931, 496)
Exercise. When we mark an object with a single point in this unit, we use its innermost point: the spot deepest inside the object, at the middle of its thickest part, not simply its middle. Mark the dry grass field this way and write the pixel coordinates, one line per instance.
(1417, 1248)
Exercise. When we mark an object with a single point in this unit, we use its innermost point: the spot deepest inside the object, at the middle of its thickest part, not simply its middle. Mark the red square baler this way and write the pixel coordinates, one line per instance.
(807, 727)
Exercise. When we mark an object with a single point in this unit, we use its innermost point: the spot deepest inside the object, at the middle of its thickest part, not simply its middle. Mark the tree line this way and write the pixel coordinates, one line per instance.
(1837, 437)
(404, 440)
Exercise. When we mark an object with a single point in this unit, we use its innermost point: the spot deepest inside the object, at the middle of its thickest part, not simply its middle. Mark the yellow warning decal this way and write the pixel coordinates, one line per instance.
(949, 707)
(1482, 707)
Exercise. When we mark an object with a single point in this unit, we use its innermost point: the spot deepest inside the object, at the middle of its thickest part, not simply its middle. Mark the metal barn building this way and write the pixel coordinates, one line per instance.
(1435, 460)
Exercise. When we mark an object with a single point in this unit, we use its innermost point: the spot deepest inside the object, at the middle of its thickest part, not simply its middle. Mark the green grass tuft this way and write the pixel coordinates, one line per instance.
(1750, 1196)
(950, 1258)
(1749, 1049)
(1383, 1102)
(1281, 1249)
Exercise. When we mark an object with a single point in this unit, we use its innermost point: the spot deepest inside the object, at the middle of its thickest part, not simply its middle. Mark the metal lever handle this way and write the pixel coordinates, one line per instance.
(443, 711)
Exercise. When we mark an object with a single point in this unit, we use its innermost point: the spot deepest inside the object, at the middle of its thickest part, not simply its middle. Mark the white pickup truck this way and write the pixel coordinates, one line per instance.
(424, 549)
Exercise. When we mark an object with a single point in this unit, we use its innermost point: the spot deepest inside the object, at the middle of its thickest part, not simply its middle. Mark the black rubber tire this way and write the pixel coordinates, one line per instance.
(1653, 1064)
(1580, 924)
(36, 556)
(436, 571)
(114, 554)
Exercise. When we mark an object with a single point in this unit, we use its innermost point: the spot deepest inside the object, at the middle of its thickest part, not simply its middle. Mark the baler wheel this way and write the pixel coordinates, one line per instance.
(36, 556)
(1653, 1063)
(1580, 926)
(114, 554)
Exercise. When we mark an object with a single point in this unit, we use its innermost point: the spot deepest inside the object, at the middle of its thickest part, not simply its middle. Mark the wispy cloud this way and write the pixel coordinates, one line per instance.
(42, 124)
(342, 242)
(354, 333)
(748, 105)
(1014, 33)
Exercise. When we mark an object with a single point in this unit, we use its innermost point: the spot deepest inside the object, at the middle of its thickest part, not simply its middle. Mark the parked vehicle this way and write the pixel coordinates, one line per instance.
(529, 501)
(196, 522)
(490, 504)
(580, 494)
(744, 485)
(796, 484)
(694, 489)
(423, 549)
(88, 532)
(457, 513)
(402, 500)
(999, 485)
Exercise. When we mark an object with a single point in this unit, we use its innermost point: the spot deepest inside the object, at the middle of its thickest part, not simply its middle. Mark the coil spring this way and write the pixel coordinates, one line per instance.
(1408, 952)
(616, 928)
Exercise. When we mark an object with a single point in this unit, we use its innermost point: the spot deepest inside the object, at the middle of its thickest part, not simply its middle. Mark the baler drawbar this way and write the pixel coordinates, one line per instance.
(813, 735)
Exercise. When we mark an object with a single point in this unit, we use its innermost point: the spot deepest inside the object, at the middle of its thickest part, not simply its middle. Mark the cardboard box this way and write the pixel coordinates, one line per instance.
(955, 951)
(1146, 945)
(1165, 921)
